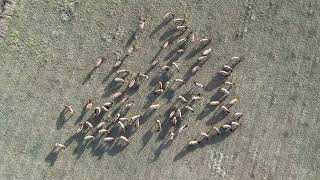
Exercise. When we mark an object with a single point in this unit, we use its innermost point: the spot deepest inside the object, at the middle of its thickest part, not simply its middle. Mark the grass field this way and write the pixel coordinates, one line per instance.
(48, 54)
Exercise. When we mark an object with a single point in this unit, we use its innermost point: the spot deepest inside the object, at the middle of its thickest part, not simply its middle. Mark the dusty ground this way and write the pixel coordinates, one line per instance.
(47, 61)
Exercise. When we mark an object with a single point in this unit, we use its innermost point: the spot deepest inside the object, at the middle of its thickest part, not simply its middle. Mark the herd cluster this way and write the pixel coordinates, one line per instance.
(112, 127)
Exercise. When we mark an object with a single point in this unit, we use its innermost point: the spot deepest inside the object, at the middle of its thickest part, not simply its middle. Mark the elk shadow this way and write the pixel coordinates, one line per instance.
(168, 95)
(132, 38)
(146, 116)
(164, 145)
(217, 118)
(218, 96)
(175, 37)
(96, 146)
(173, 54)
(167, 34)
(111, 88)
(113, 70)
(116, 148)
(81, 144)
(88, 77)
(100, 149)
(146, 138)
(189, 149)
(79, 137)
(215, 82)
(164, 77)
(166, 125)
(187, 76)
(151, 97)
(197, 49)
(156, 55)
(159, 26)
(52, 157)
(82, 114)
(62, 119)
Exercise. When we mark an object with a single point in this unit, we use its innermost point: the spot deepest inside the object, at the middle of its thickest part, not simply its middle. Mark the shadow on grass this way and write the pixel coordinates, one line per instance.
(159, 26)
(87, 78)
(218, 96)
(215, 82)
(62, 119)
(113, 70)
(52, 157)
(82, 114)
(132, 38)
(146, 138)
(191, 148)
(198, 48)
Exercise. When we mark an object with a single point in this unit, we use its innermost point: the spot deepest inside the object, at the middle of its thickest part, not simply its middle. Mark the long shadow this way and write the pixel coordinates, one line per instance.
(150, 99)
(111, 88)
(131, 91)
(82, 114)
(166, 143)
(82, 145)
(218, 79)
(62, 119)
(96, 119)
(187, 76)
(75, 137)
(174, 54)
(130, 130)
(116, 148)
(80, 148)
(113, 70)
(146, 116)
(167, 124)
(217, 118)
(132, 38)
(87, 78)
(167, 34)
(188, 149)
(168, 95)
(218, 96)
(100, 149)
(162, 147)
(151, 68)
(164, 77)
(52, 157)
(174, 37)
(146, 138)
(159, 26)
(215, 82)
(198, 48)
(156, 55)
(94, 144)
(115, 112)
